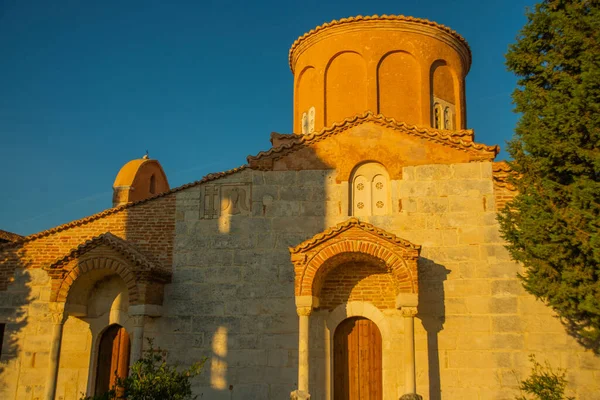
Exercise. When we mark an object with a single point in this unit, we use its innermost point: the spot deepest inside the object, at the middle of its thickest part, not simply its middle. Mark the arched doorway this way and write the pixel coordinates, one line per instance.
(113, 358)
(357, 360)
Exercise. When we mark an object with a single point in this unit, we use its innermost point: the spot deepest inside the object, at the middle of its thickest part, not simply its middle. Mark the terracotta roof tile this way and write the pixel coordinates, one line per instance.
(9, 236)
(461, 139)
(110, 211)
(501, 173)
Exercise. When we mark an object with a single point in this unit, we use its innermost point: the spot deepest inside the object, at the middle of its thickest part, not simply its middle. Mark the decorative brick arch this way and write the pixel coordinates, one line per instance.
(120, 268)
(143, 278)
(314, 258)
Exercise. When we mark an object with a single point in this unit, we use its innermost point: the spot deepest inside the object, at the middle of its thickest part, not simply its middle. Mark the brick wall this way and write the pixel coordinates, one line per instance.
(358, 281)
(149, 226)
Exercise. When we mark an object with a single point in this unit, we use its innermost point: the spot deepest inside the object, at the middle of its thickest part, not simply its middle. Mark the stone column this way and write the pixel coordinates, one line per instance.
(410, 381)
(137, 338)
(303, 367)
(58, 321)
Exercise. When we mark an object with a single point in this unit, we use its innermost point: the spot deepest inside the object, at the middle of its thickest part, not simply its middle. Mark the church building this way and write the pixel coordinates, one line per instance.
(357, 258)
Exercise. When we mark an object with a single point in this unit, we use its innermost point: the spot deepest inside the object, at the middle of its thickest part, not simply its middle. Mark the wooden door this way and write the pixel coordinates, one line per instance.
(113, 358)
(357, 361)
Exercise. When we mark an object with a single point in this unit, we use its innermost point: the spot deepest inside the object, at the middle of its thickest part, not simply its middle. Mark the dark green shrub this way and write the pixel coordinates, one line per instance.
(544, 383)
(151, 378)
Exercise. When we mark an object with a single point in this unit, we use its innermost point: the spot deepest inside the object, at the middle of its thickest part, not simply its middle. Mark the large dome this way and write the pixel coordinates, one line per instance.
(409, 69)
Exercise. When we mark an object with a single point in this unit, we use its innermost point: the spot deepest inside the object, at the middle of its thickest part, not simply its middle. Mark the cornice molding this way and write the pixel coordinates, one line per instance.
(387, 22)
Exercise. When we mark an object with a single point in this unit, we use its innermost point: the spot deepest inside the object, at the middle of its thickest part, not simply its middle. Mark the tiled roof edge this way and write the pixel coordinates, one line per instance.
(343, 226)
(114, 210)
(439, 136)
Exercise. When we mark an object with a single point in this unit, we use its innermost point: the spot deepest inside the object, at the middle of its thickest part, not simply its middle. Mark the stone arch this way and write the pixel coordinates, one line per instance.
(399, 86)
(359, 309)
(345, 86)
(314, 273)
(445, 92)
(306, 86)
(60, 294)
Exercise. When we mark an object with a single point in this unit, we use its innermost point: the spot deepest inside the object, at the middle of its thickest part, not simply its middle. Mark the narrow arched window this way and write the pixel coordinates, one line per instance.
(304, 123)
(447, 118)
(437, 118)
(152, 185)
(370, 190)
(311, 120)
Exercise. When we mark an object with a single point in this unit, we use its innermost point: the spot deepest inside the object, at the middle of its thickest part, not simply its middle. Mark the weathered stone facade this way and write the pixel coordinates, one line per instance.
(256, 267)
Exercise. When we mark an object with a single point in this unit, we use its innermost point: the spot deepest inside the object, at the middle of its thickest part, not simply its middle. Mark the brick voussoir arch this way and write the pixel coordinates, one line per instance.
(108, 252)
(97, 263)
(315, 270)
(314, 258)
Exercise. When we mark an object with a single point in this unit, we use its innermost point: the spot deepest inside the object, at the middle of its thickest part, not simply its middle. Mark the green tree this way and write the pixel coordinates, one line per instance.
(151, 378)
(544, 383)
(552, 225)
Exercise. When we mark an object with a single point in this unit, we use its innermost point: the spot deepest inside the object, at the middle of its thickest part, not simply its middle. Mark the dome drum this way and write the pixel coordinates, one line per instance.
(398, 66)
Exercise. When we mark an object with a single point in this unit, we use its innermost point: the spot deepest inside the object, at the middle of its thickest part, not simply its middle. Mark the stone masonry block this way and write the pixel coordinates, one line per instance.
(417, 189)
(510, 323)
(503, 305)
(433, 172)
(507, 287)
(467, 171)
(433, 205)
(465, 204)
(280, 178)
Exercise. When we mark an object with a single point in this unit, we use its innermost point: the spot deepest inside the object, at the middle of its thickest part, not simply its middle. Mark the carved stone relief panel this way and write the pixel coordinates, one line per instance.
(210, 201)
(236, 199)
(226, 199)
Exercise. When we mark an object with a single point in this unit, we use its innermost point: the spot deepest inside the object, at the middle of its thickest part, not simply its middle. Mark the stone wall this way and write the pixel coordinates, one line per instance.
(25, 294)
(234, 283)
(232, 294)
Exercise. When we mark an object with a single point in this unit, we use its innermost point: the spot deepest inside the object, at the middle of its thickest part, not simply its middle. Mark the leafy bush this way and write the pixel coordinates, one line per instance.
(544, 383)
(150, 378)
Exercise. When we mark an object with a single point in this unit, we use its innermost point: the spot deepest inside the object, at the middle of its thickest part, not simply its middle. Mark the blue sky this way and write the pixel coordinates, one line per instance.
(87, 86)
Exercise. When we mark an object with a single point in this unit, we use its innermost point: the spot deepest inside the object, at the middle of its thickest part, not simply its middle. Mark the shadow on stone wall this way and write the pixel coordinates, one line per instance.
(432, 313)
(232, 294)
(15, 298)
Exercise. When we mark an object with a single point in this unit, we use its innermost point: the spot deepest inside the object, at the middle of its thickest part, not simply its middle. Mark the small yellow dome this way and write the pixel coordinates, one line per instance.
(137, 180)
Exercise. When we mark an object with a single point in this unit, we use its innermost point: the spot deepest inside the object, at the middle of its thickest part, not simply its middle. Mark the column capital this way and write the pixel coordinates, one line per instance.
(408, 312)
(304, 311)
(137, 320)
(57, 313)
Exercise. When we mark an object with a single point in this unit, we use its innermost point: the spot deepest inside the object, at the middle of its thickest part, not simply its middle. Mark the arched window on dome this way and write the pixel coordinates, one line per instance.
(442, 114)
(370, 193)
(308, 121)
(304, 123)
(447, 118)
(437, 116)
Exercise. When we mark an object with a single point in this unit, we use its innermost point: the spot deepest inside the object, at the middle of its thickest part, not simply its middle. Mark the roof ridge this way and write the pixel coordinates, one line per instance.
(207, 178)
(438, 135)
(375, 17)
(344, 226)
(10, 236)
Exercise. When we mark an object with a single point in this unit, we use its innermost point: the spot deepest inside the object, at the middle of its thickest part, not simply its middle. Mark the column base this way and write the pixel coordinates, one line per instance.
(411, 396)
(299, 395)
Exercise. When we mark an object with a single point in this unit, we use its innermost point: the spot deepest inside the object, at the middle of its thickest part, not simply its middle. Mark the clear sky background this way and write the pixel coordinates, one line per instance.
(86, 86)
